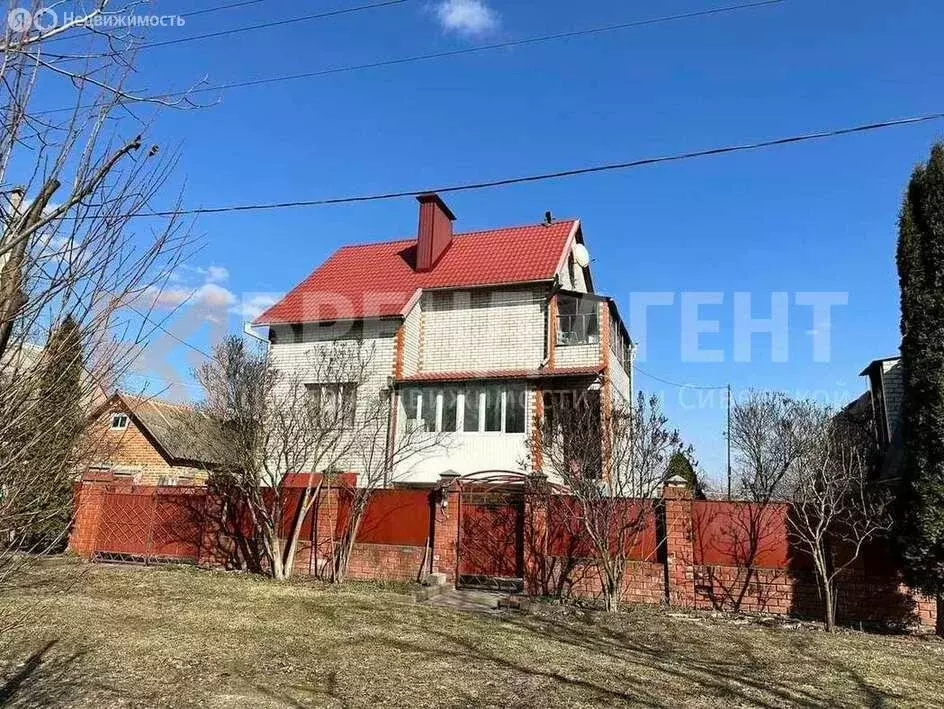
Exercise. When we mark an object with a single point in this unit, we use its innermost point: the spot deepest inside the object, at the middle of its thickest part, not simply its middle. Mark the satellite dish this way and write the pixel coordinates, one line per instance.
(581, 255)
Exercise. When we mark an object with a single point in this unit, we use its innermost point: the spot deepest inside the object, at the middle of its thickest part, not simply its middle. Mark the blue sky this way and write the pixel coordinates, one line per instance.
(814, 217)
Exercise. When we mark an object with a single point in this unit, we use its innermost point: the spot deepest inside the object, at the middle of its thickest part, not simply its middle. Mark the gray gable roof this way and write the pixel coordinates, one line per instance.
(183, 434)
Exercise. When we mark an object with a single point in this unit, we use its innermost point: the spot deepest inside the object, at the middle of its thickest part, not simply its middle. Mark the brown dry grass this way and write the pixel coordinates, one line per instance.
(179, 637)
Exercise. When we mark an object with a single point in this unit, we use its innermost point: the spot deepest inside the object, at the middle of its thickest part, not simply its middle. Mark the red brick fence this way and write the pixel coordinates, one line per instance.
(690, 554)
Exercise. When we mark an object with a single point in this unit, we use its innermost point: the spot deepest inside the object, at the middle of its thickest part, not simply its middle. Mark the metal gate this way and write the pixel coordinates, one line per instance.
(491, 538)
(150, 526)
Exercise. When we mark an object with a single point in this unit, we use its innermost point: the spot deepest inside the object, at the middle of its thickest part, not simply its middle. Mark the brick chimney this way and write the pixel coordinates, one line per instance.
(435, 231)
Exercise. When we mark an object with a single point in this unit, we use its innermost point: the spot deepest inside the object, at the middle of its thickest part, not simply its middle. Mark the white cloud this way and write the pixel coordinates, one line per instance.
(210, 274)
(209, 295)
(254, 304)
(216, 274)
(215, 296)
(470, 18)
(211, 300)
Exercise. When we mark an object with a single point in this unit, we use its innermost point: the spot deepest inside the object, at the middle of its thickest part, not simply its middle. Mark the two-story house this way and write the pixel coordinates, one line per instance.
(471, 333)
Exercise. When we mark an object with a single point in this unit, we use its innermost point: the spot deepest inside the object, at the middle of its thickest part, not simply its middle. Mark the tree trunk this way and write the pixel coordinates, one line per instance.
(277, 568)
(830, 603)
(610, 602)
(611, 594)
(346, 547)
(288, 557)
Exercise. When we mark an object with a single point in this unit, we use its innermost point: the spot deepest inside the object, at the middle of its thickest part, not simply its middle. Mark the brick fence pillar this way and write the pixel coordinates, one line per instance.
(446, 526)
(679, 543)
(939, 620)
(88, 501)
(535, 535)
(325, 522)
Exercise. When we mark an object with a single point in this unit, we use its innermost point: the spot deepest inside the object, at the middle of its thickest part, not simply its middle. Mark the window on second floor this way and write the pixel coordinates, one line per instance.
(620, 345)
(578, 321)
(119, 422)
(334, 402)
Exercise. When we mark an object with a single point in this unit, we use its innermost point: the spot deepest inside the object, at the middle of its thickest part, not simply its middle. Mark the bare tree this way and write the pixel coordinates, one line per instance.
(838, 507)
(310, 425)
(381, 456)
(613, 462)
(769, 431)
(76, 277)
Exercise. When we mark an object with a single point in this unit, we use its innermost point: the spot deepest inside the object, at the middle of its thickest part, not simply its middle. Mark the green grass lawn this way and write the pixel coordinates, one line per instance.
(114, 636)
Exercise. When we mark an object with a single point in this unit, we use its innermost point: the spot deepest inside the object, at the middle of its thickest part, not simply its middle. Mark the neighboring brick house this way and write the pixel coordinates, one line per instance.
(146, 441)
(470, 332)
(885, 399)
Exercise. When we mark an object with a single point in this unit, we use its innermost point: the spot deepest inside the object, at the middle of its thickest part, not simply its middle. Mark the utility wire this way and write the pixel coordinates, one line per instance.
(486, 47)
(606, 167)
(274, 23)
(230, 6)
(413, 59)
(167, 332)
(680, 385)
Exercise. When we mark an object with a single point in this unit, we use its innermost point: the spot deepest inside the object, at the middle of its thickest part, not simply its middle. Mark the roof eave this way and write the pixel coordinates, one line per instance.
(284, 323)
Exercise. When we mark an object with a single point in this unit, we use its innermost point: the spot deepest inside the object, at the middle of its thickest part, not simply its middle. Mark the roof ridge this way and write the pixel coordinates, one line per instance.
(155, 400)
(529, 225)
(458, 234)
(385, 242)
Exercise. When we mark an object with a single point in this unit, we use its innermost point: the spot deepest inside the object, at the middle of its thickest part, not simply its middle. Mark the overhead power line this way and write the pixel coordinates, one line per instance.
(230, 6)
(417, 58)
(559, 174)
(483, 47)
(273, 23)
(680, 385)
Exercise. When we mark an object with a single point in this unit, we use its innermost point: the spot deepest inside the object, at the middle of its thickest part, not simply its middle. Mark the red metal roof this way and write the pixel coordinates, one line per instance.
(378, 280)
(502, 374)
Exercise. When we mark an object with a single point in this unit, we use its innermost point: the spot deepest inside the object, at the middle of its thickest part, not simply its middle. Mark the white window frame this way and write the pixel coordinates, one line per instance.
(119, 421)
(461, 393)
(339, 400)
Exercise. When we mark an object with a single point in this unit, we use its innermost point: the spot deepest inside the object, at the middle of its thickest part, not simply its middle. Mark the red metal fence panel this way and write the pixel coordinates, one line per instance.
(178, 525)
(633, 521)
(150, 524)
(396, 517)
(741, 534)
(125, 523)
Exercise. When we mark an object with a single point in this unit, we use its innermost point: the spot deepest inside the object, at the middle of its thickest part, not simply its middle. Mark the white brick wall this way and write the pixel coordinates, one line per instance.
(894, 390)
(578, 281)
(482, 329)
(619, 382)
(577, 355)
(411, 340)
(297, 359)
(448, 331)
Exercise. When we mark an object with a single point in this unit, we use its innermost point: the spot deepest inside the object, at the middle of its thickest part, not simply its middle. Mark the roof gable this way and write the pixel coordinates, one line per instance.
(379, 279)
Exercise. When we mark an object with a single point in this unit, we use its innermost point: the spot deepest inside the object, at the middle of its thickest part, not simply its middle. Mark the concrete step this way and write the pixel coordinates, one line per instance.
(468, 600)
